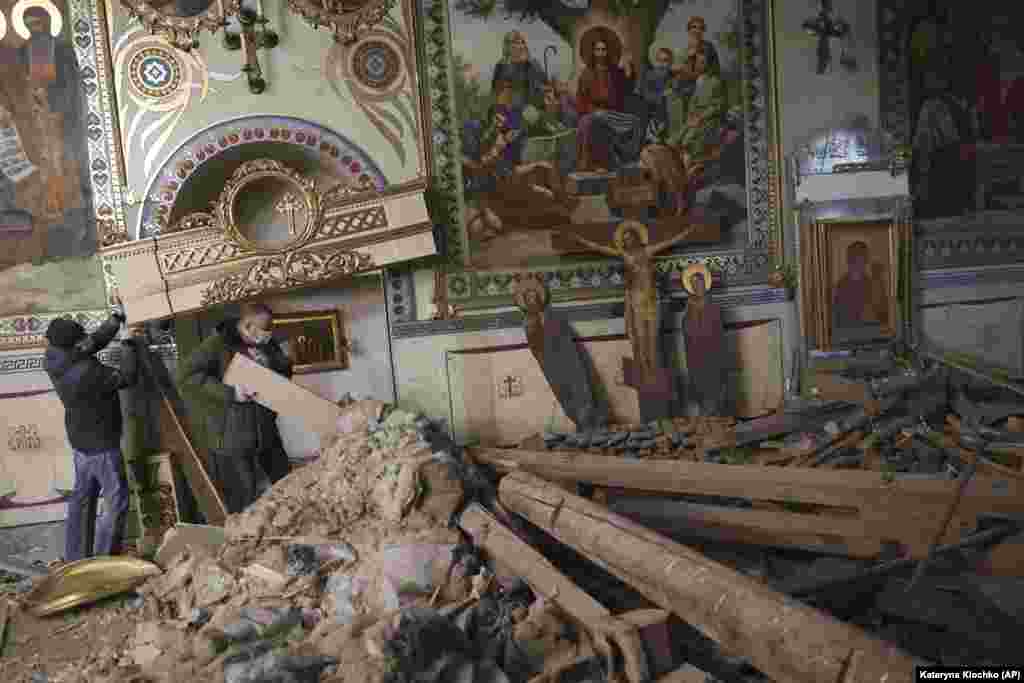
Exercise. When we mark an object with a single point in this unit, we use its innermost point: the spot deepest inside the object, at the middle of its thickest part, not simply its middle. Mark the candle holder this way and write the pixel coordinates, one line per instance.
(253, 35)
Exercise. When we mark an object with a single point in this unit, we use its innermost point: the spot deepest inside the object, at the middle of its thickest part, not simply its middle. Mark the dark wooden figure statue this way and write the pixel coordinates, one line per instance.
(563, 362)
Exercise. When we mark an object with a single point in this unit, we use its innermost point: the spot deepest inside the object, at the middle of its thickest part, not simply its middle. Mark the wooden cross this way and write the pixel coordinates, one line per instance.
(826, 26)
(289, 206)
(509, 387)
(656, 394)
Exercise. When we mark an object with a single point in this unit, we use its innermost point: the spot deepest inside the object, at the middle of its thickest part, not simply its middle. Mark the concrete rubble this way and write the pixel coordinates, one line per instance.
(354, 567)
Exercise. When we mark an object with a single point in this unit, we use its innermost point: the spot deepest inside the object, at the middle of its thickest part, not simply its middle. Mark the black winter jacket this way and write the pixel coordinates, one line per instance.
(88, 388)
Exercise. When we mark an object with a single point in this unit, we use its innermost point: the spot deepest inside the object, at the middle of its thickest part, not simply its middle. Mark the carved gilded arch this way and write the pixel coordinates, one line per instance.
(271, 229)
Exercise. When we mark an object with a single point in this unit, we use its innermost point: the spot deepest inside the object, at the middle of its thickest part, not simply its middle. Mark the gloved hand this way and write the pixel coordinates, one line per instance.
(132, 334)
(243, 394)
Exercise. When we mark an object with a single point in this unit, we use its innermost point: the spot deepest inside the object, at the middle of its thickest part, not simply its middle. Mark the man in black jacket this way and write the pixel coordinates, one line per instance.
(92, 415)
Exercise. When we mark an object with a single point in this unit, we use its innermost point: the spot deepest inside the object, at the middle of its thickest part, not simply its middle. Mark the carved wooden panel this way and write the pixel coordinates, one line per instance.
(238, 252)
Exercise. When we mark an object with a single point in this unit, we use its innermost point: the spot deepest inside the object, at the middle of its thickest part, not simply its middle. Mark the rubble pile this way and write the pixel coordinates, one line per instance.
(393, 558)
(347, 570)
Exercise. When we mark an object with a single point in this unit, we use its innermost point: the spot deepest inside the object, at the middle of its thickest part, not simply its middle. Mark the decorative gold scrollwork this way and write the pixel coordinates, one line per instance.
(196, 219)
(24, 438)
(304, 201)
(180, 21)
(285, 271)
(347, 19)
(110, 233)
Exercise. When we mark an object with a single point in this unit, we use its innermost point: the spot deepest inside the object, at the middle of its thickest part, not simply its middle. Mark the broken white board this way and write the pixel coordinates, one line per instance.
(284, 397)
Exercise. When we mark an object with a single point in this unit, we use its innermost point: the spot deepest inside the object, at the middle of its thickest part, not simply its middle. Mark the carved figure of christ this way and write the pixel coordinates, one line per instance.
(289, 205)
(630, 244)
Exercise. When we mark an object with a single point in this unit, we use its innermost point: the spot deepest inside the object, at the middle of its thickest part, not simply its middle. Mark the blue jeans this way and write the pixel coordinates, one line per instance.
(96, 473)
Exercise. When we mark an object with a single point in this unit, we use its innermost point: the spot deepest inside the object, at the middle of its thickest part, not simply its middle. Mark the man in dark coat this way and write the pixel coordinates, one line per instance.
(92, 415)
(246, 444)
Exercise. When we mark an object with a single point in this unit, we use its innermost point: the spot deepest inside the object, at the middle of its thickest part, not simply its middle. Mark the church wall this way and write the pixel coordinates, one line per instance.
(310, 87)
(808, 102)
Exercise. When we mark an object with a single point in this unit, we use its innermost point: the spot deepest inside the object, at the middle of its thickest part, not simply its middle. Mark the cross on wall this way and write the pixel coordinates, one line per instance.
(289, 205)
(826, 26)
(510, 387)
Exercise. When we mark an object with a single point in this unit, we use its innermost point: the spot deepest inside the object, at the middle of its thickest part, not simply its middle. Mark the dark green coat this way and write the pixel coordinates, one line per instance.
(201, 381)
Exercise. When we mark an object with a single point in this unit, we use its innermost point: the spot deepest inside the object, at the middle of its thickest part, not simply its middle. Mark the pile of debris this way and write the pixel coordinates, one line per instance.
(361, 532)
(397, 557)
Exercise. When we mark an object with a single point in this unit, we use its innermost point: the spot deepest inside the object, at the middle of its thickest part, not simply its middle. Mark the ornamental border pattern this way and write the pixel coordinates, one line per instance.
(749, 265)
(11, 364)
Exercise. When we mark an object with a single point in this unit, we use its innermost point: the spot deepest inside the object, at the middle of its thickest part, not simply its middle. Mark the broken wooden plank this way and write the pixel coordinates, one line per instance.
(284, 397)
(786, 640)
(833, 387)
(831, 535)
(641, 636)
(522, 560)
(903, 509)
(798, 484)
(175, 439)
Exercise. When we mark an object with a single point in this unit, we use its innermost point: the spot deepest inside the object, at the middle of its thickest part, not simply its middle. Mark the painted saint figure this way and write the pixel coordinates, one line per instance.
(563, 362)
(703, 334)
(607, 131)
(859, 298)
(657, 84)
(704, 113)
(641, 301)
(523, 76)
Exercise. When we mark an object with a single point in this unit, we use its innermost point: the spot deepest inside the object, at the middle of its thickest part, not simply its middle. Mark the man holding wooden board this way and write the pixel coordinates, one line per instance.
(246, 448)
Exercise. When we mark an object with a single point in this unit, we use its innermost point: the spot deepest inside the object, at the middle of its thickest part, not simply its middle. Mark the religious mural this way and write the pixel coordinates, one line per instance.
(47, 224)
(577, 115)
(953, 86)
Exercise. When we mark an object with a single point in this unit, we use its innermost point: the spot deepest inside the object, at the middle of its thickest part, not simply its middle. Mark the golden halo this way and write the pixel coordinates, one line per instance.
(635, 226)
(18, 17)
(526, 284)
(695, 269)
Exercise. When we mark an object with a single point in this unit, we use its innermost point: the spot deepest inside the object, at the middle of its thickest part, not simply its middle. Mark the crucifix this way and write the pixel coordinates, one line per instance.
(826, 26)
(289, 205)
(645, 371)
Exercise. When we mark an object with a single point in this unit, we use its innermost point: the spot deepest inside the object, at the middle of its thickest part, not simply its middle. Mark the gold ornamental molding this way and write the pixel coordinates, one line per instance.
(347, 19)
(298, 201)
(271, 229)
(181, 29)
(288, 271)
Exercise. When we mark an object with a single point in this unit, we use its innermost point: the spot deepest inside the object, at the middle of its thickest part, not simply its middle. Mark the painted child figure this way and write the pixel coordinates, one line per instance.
(658, 86)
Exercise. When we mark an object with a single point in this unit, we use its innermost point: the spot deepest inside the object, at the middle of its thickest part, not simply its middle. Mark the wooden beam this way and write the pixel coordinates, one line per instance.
(521, 559)
(818, 533)
(906, 510)
(787, 640)
(175, 439)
